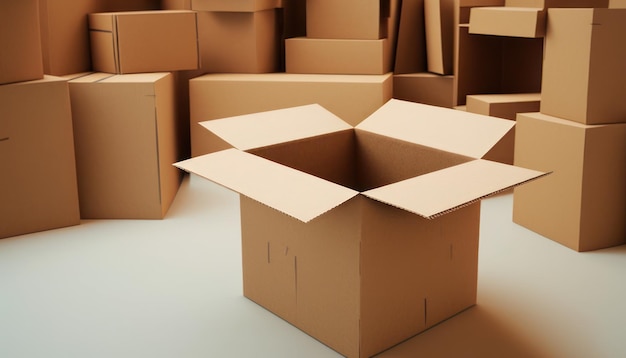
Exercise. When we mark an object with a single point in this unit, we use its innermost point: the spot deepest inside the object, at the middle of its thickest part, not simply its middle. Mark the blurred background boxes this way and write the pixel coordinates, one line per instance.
(37, 167)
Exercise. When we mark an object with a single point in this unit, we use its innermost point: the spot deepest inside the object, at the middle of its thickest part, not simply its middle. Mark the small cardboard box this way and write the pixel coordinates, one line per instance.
(144, 41)
(37, 167)
(582, 205)
(337, 56)
(360, 236)
(126, 139)
(508, 21)
(424, 87)
(234, 6)
(506, 105)
(590, 89)
(239, 42)
(544, 4)
(347, 19)
(439, 23)
(212, 96)
(20, 42)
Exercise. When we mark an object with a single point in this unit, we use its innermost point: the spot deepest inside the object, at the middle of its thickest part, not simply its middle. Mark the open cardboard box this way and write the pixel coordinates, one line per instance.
(360, 236)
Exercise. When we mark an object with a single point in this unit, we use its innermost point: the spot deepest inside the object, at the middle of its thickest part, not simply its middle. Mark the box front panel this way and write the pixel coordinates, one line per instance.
(345, 19)
(37, 167)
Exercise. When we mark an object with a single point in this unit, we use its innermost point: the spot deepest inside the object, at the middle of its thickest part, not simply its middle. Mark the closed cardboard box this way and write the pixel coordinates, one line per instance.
(212, 96)
(439, 28)
(37, 167)
(333, 242)
(126, 142)
(239, 42)
(347, 19)
(582, 204)
(590, 88)
(508, 21)
(334, 56)
(144, 41)
(506, 105)
(20, 44)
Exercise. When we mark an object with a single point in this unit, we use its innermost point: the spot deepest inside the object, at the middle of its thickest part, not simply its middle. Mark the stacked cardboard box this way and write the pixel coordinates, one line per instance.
(579, 133)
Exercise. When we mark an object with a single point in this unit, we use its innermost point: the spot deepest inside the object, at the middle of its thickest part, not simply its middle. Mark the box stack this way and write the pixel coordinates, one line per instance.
(579, 133)
(37, 168)
(342, 63)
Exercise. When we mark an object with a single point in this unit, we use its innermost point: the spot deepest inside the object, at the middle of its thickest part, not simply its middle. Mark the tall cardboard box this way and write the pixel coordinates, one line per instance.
(239, 42)
(347, 19)
(346, 232)
(410, 44)
(439, 28)
(213, 96)
(37, 167)
(144, 41)
(126, 137)
(590, 88)
(582, 205)
(20, 43)
(337, 56)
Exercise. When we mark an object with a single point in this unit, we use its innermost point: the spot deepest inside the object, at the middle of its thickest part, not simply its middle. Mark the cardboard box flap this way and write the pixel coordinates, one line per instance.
(261, 129)
(446, 129)
(437, 193)
(295, 193)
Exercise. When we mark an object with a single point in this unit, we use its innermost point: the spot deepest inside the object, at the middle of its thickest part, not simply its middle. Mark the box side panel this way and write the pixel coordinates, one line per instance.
(20, 41)
(603, 203)
(308, 274)
(439, 25)
(168, 140)
(424, 87)
(415, 272)
(218, 96)
(348, 19)
(550, 206)
(116, 151)
(410, 56)
(105, 55)
(37, 167)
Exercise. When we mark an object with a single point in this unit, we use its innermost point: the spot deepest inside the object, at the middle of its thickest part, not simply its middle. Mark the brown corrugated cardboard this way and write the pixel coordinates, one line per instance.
(508, 21)
(347, 19)
(503, 105)
(144, 41)
(327, 220)
(439, 24)
(37, 166)
(126, 141)
(176, 4)
(410, 55)
(212, 96)
(424, 87)
(544, 4)
(582, 205)
(590, 89)
(239, 42)
(64, 35)
(234, 6)
(336, 56)
(20, 42)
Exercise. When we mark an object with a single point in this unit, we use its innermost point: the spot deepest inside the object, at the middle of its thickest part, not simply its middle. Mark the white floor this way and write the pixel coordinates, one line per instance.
(172, 288)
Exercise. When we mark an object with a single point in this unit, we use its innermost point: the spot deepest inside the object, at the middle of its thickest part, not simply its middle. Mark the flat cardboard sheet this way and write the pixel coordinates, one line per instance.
(297, 194)
(261, 129)
(437, 193)
(463, 133)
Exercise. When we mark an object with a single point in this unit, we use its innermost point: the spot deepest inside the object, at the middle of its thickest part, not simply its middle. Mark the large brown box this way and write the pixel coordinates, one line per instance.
(126, 139)
(347, 19)
(20, 42)
(582, 204)
(65, 35)
(337, 56)
(212, 96)
(144, 41)
(590, 88)
(239, 42)
(37, 167)
(346, 232)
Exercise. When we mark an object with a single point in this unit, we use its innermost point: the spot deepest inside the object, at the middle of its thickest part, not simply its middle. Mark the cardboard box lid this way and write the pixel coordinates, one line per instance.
(439, 192)
(295, 193)
(246, 132)
(464, 133)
